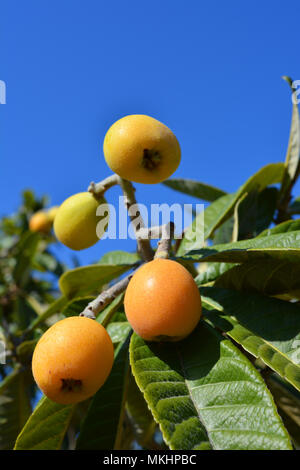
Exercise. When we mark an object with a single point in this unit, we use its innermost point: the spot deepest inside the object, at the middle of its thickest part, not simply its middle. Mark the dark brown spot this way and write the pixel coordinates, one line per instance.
(151, 159)
(71, 385)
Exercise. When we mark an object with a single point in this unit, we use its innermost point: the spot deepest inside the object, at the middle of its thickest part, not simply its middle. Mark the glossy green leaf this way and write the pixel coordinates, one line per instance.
(85, 280)
(46, 427)
(201, 228)
(255, 212)
(14, 407)
(100, 427)
(225, 233)
(267, 276)
(222, 208)
(118, 331)
(211, 272)
(202, 191)
(206, 379)
(283, 246)
(266, 327)
(293, 151)
(287, 226)
(106, 315)
(120, 258)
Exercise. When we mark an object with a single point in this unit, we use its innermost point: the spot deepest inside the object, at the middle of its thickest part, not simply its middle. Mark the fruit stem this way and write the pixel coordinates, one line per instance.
(165, 244)
(144, 246)
(98, 189)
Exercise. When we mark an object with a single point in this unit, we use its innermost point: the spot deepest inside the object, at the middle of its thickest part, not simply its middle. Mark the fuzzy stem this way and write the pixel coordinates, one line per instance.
(165, 244)
(98, 189)
(98, 304)
(144, 246)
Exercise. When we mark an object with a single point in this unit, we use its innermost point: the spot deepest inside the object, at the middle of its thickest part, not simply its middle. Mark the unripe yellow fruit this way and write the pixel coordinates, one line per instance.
(139, 148)
(75, 223)
(40, 222)
(52, 213)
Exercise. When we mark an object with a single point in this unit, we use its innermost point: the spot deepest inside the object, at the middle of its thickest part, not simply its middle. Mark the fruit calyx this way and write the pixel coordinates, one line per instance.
(151, 159)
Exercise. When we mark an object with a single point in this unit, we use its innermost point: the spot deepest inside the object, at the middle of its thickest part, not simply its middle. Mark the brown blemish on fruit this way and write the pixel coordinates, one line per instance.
(71, 385)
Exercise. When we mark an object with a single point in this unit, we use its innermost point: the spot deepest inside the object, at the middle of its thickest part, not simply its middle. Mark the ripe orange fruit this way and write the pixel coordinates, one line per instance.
(72, 359)
(139, 148)
(40, 222)
(162, 301)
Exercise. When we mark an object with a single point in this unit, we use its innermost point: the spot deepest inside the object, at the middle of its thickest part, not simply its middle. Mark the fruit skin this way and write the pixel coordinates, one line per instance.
(40, 222)
(76, 221)
(141, 149)
(52, 213)
(75, 353)
(162, 301)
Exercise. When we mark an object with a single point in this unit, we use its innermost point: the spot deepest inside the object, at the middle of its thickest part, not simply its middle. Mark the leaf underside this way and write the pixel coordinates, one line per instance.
(205, 382)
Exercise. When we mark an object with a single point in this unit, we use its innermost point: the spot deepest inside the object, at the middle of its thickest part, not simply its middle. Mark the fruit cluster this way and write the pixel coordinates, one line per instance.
(162, 302)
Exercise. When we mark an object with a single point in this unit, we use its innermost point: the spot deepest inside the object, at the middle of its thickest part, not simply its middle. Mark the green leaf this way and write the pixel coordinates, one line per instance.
(26, 250)
(55, 307)
(25, 350)
(139, 415)
(294, 207)
(46, 427)
(87, 279)
(118, 331)
(106, 315)
(222, 208)
(205, 378)
(157, 369)
(283, 246)
(256, 212)
(195, 188)
(14, 407)
(214, 215)
(266, 327)
(224, 234)
(100, 427)
(284, 227)
(211, 272)
(46, 262)
(267, 276)
(120, 258)
(293, 150)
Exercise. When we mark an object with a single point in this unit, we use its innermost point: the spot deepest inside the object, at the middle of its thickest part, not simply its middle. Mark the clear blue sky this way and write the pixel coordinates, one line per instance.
(211, 71)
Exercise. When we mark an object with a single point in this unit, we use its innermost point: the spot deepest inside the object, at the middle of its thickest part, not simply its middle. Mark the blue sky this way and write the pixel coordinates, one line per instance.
(211, 71)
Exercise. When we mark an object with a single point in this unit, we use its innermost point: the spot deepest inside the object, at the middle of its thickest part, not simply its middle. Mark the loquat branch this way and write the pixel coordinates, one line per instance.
(144, 246)
(165, 244)
(98, 189)
(97, 305)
